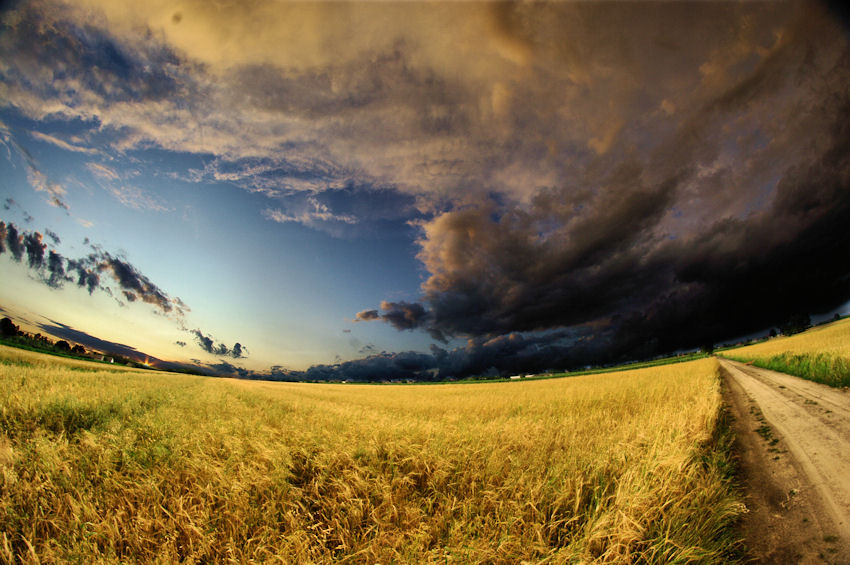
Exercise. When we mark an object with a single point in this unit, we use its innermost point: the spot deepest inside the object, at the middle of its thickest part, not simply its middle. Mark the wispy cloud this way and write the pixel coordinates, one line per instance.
(62, 144)
(123, 190)
(313, 213)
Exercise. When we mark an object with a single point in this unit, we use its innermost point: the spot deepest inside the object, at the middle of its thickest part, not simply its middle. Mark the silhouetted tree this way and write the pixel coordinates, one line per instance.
(707, 348)
(772, 332)
(78, 350)
(63, 346)
(8, 328)
(796, 324)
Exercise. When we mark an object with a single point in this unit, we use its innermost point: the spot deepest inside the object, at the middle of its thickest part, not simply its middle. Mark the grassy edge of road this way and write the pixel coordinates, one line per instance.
(823, 368)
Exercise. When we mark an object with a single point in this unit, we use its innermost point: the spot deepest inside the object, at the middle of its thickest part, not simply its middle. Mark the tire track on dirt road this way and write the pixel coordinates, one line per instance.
(812, 422)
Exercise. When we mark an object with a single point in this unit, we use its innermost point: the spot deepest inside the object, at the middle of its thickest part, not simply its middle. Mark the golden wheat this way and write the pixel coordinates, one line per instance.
(831, 339)
(106, 466)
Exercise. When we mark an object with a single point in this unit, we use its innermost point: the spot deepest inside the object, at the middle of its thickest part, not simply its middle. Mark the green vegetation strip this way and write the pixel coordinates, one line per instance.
(824, 368)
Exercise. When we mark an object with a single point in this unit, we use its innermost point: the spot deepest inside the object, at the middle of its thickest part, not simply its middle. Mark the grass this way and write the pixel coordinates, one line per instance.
(130, 466)
(821, 354)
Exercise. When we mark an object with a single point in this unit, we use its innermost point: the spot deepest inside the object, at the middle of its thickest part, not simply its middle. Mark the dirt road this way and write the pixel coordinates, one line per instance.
(794, 449)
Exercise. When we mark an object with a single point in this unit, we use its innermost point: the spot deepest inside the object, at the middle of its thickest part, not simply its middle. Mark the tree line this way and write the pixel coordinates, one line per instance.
(12, 334)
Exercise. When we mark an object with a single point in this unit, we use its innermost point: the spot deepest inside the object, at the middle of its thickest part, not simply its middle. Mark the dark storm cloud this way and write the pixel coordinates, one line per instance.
(401, 315)
(87, 277)
(35, 249)
(53, 237)
(501, 356)
(712, 235)
(14, 242)
(501, 270)
(207, 344)
(225, 369)
(134, 284)
(55, 269)
(52, 271)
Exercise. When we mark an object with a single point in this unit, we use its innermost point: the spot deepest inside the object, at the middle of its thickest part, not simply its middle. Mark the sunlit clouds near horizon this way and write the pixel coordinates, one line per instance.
(408, 189)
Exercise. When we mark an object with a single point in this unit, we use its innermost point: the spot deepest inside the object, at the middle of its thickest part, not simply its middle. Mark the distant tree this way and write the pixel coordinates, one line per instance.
(8, 328)
(836, 317)
(62, 346)
(78, 350)
(707, 348)
(796, 324)
(772, 332)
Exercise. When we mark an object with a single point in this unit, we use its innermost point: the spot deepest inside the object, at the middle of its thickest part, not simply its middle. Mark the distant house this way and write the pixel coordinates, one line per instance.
(515, 377)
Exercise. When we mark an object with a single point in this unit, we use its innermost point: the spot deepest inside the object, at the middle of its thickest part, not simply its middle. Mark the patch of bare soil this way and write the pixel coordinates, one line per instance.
(793, 449)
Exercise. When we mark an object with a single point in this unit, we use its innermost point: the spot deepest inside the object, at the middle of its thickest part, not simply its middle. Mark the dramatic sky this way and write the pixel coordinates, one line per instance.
(382, 188)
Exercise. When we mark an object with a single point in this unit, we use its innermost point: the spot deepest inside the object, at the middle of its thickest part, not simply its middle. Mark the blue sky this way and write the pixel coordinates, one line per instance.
(444, 187)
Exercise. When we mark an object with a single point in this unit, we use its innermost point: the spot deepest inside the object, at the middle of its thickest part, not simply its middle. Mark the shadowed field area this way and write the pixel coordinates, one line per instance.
(98, 465)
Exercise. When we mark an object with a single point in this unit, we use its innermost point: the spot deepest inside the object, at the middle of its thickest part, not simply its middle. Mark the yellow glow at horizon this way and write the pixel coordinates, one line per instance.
(135, 325)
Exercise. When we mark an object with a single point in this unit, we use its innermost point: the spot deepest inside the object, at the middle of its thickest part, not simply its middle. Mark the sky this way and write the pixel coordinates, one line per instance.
(404, 189)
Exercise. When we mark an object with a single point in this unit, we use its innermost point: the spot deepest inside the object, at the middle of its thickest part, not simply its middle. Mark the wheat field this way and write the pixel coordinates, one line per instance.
(833, 338)
(99, 465)
(820, 354)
